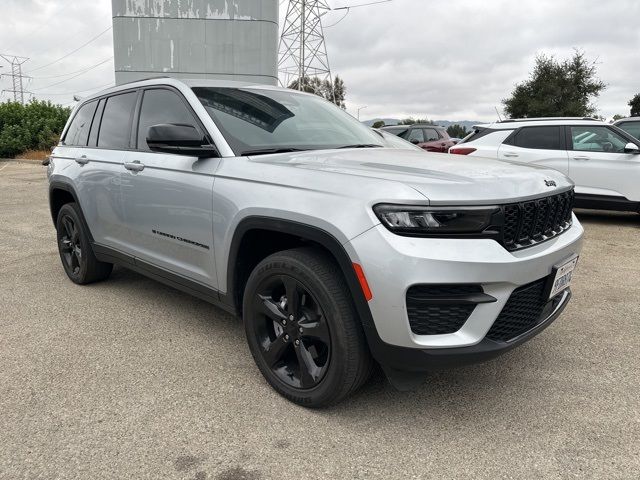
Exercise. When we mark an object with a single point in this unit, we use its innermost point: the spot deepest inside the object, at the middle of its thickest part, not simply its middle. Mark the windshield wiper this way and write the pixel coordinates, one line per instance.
(267, 151)
(362, 145)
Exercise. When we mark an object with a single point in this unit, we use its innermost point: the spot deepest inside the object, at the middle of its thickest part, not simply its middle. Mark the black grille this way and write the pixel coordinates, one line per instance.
(427, 317)
(528, 223)
(525, 308)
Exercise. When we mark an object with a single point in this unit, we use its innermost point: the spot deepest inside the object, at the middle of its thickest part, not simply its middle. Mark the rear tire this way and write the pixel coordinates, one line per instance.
(312, 349)
(74, 246)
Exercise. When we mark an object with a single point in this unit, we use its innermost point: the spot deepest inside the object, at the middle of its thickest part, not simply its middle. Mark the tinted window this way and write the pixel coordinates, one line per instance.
(398, 131)
(632, 128)
(597, 139)
(416, 135)
(78, 132)
(431, 134)
(161, 106)
(543, 138)
(115, 128)
(95, 125)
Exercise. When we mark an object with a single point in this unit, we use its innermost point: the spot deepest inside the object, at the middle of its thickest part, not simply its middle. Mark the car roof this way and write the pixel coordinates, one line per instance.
(512, 124)
(185, 82)
(628, 119)
(421, 125)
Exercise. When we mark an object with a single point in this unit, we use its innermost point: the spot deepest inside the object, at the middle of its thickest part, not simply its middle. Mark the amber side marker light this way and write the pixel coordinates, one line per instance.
(363, 282)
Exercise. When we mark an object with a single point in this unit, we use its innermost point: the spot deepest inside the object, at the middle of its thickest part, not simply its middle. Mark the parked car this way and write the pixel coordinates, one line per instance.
(601, 159)
(393, 141)
(630, 125)
(336, 252)
(428, 137)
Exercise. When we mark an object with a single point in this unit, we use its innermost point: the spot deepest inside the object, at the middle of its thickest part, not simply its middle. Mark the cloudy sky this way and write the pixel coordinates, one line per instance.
(440, 59)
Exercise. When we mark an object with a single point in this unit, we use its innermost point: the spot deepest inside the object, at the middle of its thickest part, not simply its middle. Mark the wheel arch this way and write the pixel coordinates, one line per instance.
(252, 232)
(61, 193)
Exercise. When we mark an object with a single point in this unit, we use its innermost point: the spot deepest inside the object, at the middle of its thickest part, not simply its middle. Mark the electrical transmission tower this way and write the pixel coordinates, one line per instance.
(16, 76)
(302, 51)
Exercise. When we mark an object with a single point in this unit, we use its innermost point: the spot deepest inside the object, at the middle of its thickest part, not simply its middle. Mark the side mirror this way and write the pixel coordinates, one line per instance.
(415, 142)
(179, 139)
(632, 148)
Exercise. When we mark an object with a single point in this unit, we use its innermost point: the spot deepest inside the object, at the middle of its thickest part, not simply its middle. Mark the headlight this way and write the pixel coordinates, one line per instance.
(432, 221)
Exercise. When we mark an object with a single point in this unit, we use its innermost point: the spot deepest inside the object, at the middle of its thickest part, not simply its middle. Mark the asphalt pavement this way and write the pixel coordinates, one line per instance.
(134, 380)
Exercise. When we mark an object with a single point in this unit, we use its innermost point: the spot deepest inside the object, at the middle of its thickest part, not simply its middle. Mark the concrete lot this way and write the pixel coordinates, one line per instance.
(131, 379)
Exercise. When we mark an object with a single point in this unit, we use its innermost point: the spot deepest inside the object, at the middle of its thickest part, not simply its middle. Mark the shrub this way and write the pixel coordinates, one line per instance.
(34, 126)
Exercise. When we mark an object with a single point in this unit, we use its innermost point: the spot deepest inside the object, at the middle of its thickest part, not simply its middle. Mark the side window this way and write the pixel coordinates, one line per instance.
(632, 128)
(542, 138)
(78, 132)
(431, 134)
(95, 125)
(416, 135)
(161, 106)
(597, 139)
(115, 128)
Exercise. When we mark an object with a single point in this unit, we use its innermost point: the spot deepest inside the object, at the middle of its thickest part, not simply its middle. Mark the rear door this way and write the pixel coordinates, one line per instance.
(168, 198)
(543, 145)
(435, 142)
(598, 164)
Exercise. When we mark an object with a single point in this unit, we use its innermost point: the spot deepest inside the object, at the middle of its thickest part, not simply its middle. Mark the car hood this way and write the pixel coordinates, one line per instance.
(441, 178)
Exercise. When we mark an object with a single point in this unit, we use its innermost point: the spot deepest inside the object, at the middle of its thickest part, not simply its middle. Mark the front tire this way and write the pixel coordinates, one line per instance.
(302, 328)
(74, 246)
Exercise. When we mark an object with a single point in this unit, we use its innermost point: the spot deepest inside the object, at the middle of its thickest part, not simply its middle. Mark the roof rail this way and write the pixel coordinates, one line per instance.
(144, 79)
(548, 119)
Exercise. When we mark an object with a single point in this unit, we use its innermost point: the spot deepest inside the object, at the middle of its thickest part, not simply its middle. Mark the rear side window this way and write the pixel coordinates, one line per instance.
(416, 135)
(541, 138)
(398, 131)
(632, 128)
(78, 132)
(431, 134)
(162, 106)
(115, 128)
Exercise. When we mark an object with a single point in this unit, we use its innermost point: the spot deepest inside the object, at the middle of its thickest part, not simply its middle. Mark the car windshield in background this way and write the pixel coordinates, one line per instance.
(258, 121)
(632, 128)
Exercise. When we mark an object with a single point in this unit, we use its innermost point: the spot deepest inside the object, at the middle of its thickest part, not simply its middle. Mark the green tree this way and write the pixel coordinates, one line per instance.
(378, 124)
(457, 131)
(557, 89)
(335, 92)
(634, 103)
(414, 121)
(617, 117)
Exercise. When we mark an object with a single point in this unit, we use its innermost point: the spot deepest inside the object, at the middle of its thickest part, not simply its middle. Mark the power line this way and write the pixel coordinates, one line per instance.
(71, 73)
(78, 91)
(71, 78)
(73, 51)
(362, 5)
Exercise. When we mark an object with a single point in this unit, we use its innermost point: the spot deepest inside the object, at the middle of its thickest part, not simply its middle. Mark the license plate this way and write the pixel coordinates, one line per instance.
(562, 277)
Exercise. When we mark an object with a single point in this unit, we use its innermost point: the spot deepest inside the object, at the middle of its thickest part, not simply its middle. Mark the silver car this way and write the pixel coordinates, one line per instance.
(335, 250)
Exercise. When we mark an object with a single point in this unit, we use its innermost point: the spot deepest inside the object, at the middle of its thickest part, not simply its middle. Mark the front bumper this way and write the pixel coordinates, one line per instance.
(392, 264)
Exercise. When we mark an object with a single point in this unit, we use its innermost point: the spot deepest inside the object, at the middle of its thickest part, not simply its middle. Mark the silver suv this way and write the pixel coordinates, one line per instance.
(336, 251)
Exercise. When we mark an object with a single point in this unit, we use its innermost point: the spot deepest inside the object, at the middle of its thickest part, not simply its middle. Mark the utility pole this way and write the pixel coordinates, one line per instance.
(361, 108)
(302, 51)
(16, 76)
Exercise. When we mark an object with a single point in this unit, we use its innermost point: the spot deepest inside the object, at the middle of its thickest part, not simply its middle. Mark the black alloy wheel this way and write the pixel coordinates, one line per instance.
(70, 248)
(292, 332)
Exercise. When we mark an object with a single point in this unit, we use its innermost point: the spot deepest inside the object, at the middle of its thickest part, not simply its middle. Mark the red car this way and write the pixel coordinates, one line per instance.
(428, 137)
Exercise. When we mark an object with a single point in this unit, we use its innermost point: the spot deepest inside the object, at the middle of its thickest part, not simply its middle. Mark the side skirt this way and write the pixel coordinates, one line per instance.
(605, 202)
(179, 282)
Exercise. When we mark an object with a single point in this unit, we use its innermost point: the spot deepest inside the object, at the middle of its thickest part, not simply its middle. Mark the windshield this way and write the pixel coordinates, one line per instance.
(255, 121)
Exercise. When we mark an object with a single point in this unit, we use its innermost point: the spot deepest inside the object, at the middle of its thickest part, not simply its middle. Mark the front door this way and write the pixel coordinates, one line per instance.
(599, 165)
(168, 199)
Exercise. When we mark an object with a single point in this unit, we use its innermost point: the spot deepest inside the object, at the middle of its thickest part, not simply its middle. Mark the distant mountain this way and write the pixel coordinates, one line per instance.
(443, 123)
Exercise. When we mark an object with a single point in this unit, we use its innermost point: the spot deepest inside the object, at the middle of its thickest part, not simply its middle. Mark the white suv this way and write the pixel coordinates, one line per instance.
(600, 158)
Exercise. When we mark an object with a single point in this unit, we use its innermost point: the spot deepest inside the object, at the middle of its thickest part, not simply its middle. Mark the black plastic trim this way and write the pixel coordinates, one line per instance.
(605, 202)
(57, 185)
(396, 359)
(179, 282)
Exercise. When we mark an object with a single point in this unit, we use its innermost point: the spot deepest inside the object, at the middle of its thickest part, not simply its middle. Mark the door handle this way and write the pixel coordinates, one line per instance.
(82, 160)
(581, 158)
(511, 155)
(134, 166)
